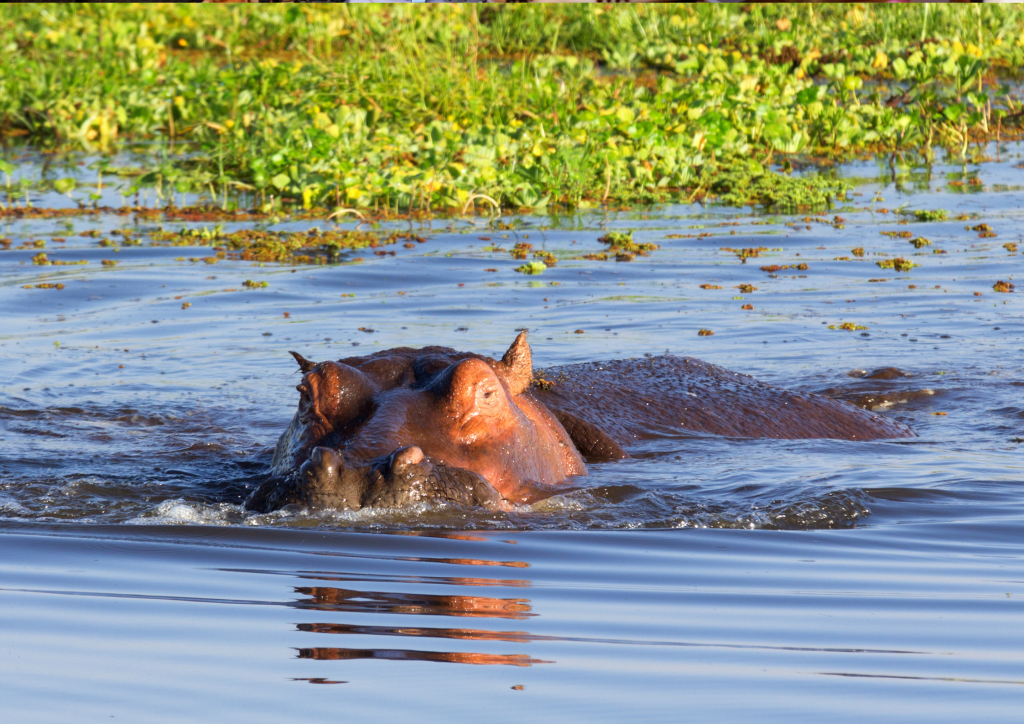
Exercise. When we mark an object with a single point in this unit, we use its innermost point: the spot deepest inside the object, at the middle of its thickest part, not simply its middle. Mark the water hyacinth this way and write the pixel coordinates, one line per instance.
(434, 109)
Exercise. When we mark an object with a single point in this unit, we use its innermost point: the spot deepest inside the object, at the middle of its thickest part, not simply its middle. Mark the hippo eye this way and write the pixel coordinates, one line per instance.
(488, 395)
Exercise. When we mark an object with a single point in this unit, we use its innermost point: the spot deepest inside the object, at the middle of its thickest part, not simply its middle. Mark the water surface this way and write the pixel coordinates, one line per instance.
(704, 577)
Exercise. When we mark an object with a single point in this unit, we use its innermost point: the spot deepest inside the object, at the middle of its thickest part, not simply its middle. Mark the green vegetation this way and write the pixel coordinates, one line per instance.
(621, 247)
(306, 247)
(532, 267)
(898, 264)
(409, 109)
(931, 214)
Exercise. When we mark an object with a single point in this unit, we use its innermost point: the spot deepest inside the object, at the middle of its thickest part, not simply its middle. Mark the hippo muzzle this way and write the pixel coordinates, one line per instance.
(404, 478)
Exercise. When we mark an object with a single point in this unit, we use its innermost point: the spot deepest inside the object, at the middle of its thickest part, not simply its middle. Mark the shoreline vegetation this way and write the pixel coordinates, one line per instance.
(384, 111)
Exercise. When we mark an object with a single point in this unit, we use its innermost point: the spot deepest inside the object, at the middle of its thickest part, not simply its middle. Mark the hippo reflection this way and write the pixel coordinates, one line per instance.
(404, 426)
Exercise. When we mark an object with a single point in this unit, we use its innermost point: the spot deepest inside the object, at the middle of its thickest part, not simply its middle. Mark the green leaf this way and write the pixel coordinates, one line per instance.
(64, 185)
(952, 113)
(899, 68)
(280, 181)
(810, 95)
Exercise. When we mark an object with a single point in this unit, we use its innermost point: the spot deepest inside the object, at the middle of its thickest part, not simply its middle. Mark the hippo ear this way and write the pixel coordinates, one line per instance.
(517, 365)
(304, 364)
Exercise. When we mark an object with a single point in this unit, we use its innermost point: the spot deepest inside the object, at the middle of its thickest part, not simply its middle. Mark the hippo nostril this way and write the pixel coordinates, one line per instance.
(323, 463)
(405, 457)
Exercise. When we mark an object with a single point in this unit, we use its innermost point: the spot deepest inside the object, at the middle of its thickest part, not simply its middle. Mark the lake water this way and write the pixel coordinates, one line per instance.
(703, 578)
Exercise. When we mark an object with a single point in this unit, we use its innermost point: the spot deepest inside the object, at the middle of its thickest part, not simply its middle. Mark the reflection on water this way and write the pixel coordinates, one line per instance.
(628, 624)
(445, 657)
(416, 631)
(349, 601)
(388, 578)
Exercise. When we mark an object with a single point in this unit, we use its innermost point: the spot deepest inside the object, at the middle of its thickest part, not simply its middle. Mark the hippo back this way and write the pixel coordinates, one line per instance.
(631, 399)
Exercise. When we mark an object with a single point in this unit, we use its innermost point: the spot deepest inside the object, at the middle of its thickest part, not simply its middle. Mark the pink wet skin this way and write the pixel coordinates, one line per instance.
(472, 420)
(473, 414)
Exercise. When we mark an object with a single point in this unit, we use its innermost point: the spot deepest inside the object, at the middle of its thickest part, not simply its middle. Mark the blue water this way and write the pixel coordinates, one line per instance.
(704, 578)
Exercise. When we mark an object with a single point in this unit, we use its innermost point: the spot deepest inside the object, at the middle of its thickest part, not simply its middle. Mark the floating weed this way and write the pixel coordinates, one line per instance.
(43, 286)
(109, 262)
(704, 333)
(1010, 247)
(898, 264)
(710, 286)
(897, 234)
(920, 242)
(1004, 287)
(857, 251)
(774, 268)
(521, 250)
(746, 253)
(311, 247)
(546, 257)
(532, 267)
(617, 239)
(746, 288)
(623, 246)
(250, 284)
(541, 381)
(847, 326)
(931, 215)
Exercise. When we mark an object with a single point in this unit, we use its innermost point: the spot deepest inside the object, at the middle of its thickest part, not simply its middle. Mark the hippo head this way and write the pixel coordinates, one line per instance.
(405, 426)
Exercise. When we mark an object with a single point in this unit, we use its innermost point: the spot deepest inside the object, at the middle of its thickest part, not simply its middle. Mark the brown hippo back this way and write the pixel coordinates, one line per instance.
(630, 399)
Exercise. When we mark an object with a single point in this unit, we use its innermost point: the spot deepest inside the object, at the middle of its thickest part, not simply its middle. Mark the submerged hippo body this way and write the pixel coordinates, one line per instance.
(405, 426)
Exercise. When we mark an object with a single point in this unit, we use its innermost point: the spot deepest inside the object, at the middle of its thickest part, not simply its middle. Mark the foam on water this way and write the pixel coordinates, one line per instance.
(182, 512)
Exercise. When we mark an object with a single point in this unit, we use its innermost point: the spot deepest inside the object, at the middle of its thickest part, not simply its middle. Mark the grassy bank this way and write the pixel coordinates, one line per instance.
(431, 108)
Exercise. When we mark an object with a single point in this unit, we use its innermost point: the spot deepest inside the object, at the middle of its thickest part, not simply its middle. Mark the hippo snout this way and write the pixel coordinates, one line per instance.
(322, 468)
(325, 480)
(405, 477)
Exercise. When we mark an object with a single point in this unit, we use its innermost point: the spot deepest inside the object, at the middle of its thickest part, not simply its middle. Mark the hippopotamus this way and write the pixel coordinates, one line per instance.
(407, 426)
